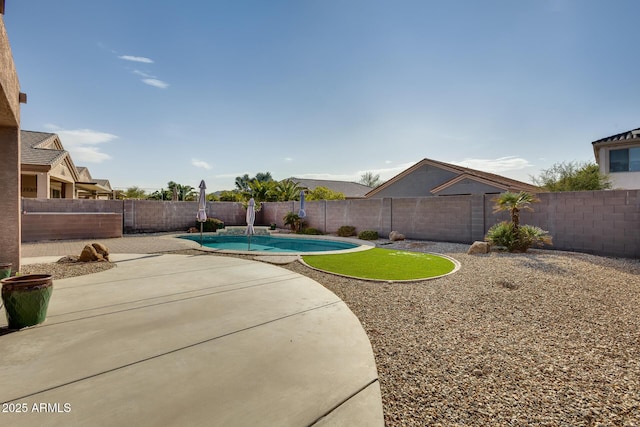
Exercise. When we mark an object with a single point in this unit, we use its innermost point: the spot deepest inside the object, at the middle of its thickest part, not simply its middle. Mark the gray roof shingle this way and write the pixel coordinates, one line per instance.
(32, 151)
(349, 189)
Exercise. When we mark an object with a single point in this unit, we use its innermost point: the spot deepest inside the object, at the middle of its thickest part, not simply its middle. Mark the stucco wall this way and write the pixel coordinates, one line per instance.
(10, 224)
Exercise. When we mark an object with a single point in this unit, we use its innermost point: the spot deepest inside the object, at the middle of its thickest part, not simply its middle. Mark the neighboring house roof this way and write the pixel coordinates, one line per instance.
(629, 136)
(459, 175)
(40, 148)
(351, 190)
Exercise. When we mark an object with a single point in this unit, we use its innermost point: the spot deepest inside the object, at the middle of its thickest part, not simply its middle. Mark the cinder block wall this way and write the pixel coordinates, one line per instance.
(68, 226)
(599, 222)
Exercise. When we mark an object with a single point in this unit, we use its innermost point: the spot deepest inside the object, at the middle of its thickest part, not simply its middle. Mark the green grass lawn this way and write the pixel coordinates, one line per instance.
(383, 264)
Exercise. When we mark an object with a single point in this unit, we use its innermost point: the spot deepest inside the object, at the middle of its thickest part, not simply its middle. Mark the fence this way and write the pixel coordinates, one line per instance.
(599, 222)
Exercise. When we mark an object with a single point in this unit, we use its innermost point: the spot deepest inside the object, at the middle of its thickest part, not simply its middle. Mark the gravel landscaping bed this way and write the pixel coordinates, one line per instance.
(545, 338)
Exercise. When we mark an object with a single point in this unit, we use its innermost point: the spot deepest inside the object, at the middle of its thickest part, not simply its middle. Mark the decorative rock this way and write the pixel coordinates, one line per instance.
(89, 254)
(394, 236)
(102, 250)
(192, 230)
(479, 248)
(94, 252)
(68, 259)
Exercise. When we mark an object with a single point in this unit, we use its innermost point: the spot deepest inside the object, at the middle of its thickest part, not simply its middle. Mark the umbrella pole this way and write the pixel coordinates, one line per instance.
(200, 234)
(249, 243)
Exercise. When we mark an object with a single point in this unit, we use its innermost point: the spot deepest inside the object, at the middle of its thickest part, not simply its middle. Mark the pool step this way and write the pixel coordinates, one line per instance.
(240, 231)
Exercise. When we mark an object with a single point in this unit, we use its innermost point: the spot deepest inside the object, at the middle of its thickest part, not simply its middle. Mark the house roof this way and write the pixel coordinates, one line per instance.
(351, 190)
(35, 148)
(624, 136)
(617, 139)
(499, 181)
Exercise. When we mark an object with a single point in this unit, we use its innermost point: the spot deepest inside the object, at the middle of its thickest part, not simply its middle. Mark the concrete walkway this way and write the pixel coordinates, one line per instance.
(190, 340)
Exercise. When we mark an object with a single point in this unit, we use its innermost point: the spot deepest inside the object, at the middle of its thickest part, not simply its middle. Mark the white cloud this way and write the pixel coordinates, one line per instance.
(82, 144)
(288, 159)
(156, 83)
(136, 59)
(200, 164)
(501, 164)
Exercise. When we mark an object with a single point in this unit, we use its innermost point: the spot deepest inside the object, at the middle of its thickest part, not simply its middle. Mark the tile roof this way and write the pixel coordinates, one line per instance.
(349, 189)
(630, 134)
(486, 177)
(33, 151)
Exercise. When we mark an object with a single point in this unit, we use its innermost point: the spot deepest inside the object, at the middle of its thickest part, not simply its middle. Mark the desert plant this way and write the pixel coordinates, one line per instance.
(346, 231)
(293, 220)
(368, 235)
(506, 235)
(514, 203)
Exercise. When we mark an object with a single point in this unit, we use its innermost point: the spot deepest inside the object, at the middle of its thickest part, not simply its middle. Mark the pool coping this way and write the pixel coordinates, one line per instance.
(455, 262)
(363, 245)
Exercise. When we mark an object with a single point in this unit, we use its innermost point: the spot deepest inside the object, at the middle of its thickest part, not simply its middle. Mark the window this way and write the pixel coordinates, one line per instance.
(626, 160)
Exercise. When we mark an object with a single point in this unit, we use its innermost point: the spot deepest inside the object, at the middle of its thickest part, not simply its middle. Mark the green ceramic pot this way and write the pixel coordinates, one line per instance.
(5, 270)
(26, 299)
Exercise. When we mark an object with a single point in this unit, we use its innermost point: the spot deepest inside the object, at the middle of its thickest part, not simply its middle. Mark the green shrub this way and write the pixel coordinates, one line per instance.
(368, 235)
(211, 224)
(534, 236)
(519, 239)
(311, 231)
(293, 220)
(346, 231)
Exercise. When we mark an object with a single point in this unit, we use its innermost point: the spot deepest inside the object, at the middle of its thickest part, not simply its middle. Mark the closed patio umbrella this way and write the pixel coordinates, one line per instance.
(202, 207)
(251, 217)
(301, 212)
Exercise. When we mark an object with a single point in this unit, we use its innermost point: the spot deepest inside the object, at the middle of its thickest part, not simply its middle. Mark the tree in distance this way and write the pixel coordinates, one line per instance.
(370, 180)
(572, 176)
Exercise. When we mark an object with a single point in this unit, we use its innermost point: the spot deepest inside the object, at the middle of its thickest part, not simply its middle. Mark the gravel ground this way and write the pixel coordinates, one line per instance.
(544, 338)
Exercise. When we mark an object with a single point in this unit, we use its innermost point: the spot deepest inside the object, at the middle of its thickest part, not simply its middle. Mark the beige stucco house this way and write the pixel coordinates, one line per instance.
(48, 172)
(619, 157)
(10, 99)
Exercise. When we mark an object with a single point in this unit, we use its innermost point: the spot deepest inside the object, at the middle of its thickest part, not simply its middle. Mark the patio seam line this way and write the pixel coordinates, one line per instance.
(175, 350)
(173, 294)
(351, 396)
(156, 304)
(145, 277)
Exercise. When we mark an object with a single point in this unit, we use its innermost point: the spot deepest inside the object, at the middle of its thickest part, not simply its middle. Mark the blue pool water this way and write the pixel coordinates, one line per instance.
(270, 244)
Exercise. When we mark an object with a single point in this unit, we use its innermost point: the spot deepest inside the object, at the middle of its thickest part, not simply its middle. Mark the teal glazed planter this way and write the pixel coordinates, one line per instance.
(26, 299)
(5, 270)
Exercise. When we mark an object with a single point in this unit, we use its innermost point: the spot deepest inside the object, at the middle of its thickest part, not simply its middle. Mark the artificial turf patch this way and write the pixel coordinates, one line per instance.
(383, 264)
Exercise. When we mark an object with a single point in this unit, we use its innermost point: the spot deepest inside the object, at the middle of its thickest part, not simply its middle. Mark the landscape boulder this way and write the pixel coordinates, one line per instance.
(479, 248)
(394, 236)
(94, 252)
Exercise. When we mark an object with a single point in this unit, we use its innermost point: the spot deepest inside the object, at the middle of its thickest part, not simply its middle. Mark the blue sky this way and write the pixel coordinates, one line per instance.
(145, 92)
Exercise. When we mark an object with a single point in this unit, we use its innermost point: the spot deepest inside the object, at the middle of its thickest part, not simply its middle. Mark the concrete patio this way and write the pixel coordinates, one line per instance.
(190, 340)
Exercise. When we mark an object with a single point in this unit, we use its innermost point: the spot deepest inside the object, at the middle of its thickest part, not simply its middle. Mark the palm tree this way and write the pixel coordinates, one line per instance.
(514, 203)
(287, 190)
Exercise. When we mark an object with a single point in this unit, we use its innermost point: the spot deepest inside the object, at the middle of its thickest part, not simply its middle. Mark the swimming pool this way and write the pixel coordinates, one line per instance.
(271, 244)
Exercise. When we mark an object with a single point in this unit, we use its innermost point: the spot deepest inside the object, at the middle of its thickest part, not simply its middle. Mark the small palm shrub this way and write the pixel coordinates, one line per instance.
(368, 235)
(517, 239)
(346, 231)
(211, 224)
(293, 220)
